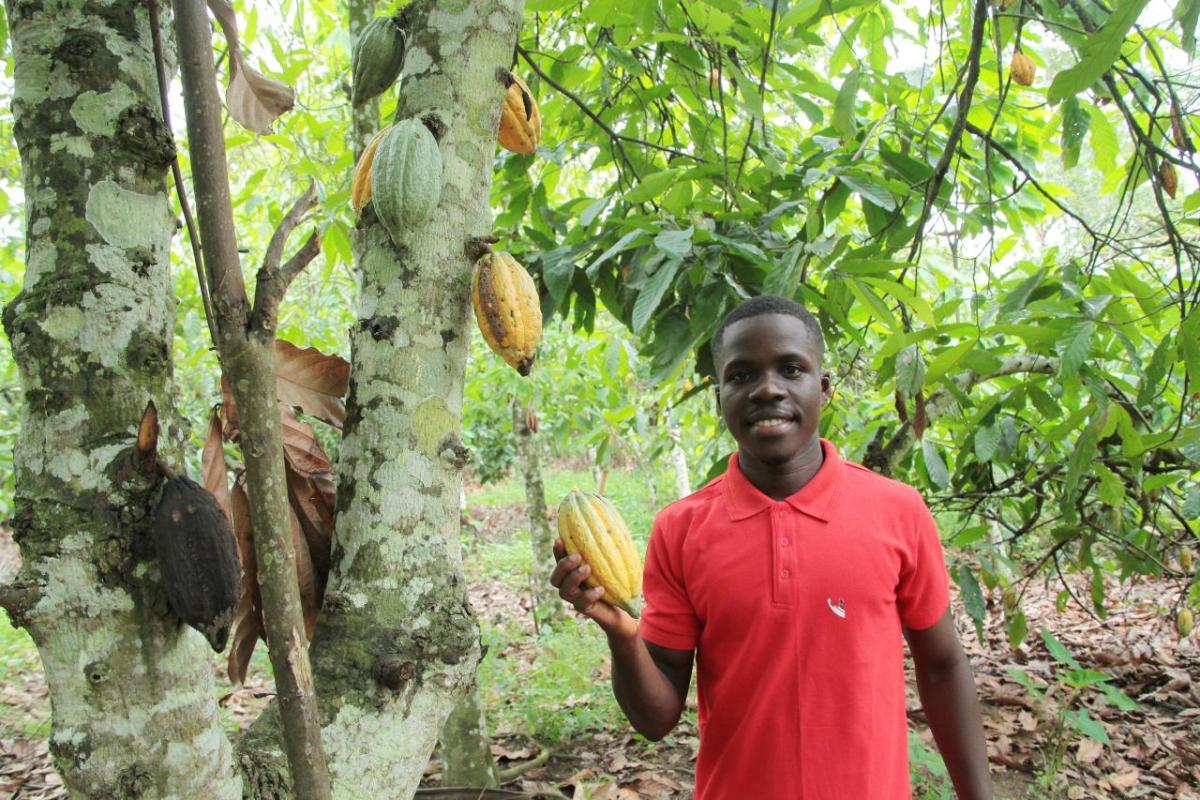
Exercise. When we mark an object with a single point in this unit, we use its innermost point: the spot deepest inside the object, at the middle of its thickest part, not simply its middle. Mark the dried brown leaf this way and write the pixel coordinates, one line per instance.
(248, 623)
(306, 579)
(255, 100)
(312, 381)
(300, 447)
(212, 462)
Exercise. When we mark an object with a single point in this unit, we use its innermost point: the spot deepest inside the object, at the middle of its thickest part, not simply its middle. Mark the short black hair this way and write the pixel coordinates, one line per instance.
(765, 304)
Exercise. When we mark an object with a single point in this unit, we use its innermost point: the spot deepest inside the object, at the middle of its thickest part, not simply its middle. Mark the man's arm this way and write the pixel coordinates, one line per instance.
(650, 682)
(947, 691)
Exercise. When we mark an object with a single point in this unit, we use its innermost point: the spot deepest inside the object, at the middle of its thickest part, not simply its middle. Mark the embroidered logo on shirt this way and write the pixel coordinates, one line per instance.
(839, 609)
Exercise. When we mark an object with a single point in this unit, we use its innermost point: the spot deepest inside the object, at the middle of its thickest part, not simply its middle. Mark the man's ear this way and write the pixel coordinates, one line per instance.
(826, 388)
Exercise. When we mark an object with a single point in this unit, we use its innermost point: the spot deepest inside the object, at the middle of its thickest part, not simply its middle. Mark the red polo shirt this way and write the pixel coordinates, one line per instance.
(794, 608)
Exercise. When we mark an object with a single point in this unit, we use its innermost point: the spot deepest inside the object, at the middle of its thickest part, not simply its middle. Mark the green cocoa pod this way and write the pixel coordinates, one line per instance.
(406, 177)
(197, 558)
(376, 59)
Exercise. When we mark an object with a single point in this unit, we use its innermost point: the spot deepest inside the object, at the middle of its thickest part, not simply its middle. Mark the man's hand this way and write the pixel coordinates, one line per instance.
(568, 578)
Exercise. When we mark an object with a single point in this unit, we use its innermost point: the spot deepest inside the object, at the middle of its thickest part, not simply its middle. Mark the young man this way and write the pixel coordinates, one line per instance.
(791, 581)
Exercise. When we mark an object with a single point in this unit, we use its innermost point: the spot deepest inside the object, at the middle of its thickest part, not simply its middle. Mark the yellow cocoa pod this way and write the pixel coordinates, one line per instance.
(1010, 598)
(360, 185)
(591, 526)
(520, 120)
(1186, 561)
(1022, 69)
(1168, 178)
(1184, 622)
(507, 309)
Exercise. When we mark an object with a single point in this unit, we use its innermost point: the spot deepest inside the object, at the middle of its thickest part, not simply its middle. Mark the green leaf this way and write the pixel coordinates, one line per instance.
(916, 304)
(748, 91)
(1018, 628)
(1080, 462)
(1187, 14)
(1073, 347)
(1098, 53)
(868, 297)
(1189, 345)
(910, 371)
(652, 292)
(676, 244)
(843, 107)
(558, 267)
(945, 360)
(972, 596)
(1059, 651)
(623, 243)
(1016, 299)
(869, 191)
(1079, 719)
(1105, 145)
(652, 185)
(799, 13)
(1075, 124)
(934, 465)
(987, 441)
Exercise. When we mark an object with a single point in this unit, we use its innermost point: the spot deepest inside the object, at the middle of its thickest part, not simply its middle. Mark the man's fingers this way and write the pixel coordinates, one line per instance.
(564, 566)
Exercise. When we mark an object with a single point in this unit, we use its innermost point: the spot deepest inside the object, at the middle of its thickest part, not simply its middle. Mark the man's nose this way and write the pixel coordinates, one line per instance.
(768, 387)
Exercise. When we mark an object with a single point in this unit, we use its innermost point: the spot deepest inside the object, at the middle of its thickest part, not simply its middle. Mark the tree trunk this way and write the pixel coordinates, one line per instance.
(397, 644)
(547, 607)
(131, 688)
(466, 747)
(683, 483)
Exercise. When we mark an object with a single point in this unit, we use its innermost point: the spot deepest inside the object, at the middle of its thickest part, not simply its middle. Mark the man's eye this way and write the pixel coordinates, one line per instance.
(793, 370)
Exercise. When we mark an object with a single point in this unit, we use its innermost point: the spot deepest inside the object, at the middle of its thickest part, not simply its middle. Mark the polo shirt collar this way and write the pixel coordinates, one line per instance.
(815, 498)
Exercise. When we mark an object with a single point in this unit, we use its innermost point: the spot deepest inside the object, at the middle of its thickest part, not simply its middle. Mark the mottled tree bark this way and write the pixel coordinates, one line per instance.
(548, 606)
(134, 712)
(397, 644)
(466, 746)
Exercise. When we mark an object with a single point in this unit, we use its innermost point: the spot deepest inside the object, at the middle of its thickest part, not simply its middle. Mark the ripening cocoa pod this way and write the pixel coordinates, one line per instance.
(376, 60)
(1022, 69)
(1186, 561)
(360, 185)
(1168, 178)
(406, 177)
(590, 525)
(1179, 132)
(1184, 622)
(197, 558)
(507, 309)
(520, 120)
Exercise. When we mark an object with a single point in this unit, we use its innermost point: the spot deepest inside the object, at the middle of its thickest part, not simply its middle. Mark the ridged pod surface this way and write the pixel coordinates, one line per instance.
(507, 309)
(197, 558)
(520, 120)
(376, 59)
(360, 186)
(1022, 69)
(591, 525)
(406, 177)
(1168, 178)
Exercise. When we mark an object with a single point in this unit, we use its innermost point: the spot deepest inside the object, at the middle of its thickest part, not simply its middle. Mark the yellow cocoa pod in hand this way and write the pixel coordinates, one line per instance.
(1022, 69)
(507, 309)
(591, 526)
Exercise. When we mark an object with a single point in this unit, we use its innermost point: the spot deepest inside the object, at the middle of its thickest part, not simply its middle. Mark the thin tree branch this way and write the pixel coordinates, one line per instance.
(274, 279)
(979, 19)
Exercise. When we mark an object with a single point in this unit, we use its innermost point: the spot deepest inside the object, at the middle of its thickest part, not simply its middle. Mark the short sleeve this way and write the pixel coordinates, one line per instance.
(924, 591)
(668, 618)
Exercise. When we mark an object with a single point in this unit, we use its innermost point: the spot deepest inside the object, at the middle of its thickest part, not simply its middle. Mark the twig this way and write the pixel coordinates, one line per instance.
(274, 279)
(762, 82)
(964, 106)
(193, 237)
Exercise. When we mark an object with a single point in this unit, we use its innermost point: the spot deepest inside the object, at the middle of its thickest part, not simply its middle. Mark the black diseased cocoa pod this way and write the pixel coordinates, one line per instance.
(197, 556)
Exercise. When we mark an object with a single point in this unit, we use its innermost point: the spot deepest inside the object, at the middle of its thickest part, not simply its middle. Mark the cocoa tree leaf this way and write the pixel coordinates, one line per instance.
(248, 622)
(300, 447)
(1098, 53)
(312, 381)
(212, 461)
(253, 99)
(305, 575)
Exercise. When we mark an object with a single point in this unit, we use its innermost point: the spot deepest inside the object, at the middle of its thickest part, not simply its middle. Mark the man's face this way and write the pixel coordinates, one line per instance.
(771, 387)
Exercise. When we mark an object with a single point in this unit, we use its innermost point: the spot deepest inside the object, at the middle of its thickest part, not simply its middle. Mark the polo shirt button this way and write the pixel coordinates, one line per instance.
(784, 541)
(785, 573)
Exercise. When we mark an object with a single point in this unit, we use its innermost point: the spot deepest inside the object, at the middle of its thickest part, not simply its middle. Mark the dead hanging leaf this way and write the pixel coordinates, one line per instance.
(920, 419)
(254, 100)
(306, 577)
(312, 495)
(312, 381)
(212, 461)
(300, 447)
(248, 623)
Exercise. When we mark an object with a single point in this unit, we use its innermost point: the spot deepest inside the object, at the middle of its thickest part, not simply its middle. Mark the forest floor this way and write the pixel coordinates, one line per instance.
(550, 693)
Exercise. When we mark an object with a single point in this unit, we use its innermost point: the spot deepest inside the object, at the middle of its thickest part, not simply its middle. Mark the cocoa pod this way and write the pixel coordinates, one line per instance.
(1179, 132)
(507, 309)
(1168, 178)
(197, 558)
(376, 60)
(360, 185)
(590, 525)
(406, 177)
(1184, 622)
(520, 120)
(1022, 69)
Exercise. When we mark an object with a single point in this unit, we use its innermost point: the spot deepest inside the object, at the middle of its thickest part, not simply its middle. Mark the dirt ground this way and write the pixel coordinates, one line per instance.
(1153, 750)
